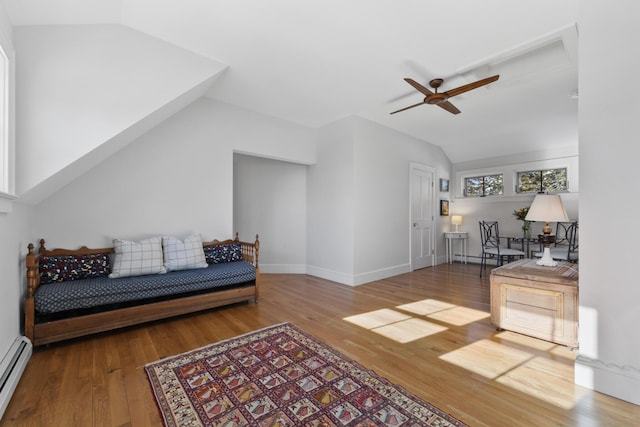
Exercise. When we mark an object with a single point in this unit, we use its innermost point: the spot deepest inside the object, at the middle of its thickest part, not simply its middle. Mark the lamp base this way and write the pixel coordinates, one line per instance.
(546, 259)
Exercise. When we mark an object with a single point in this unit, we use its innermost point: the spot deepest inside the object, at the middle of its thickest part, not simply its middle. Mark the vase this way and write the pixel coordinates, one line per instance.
(526, 229)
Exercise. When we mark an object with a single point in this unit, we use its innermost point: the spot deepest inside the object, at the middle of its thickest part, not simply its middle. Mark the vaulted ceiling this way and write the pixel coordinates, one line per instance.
(313, 62)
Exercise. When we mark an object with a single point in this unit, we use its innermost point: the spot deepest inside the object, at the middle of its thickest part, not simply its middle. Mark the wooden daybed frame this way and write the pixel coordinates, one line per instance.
(71, 327)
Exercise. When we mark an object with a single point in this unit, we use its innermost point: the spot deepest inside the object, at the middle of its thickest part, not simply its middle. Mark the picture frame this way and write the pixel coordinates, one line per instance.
(444, 185)
(444, 208)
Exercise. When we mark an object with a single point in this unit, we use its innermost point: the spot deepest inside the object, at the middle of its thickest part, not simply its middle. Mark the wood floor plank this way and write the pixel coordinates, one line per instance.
(428, 331)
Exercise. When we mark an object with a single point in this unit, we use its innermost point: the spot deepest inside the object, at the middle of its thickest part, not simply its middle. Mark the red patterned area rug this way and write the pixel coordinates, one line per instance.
(281, 376)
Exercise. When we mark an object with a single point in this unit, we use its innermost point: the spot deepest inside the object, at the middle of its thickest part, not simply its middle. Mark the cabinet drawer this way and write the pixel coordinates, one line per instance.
(457, 235)
(549, 300)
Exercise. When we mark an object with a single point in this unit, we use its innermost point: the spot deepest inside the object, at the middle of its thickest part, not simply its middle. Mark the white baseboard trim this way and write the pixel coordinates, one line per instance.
(383, 273)
(283, 268)
(11, 368)
(334, 276)
(356, 279)
(622, 382)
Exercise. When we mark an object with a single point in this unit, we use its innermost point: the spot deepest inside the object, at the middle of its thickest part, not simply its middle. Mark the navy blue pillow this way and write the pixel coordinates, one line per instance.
(73, 267)
(223, 253)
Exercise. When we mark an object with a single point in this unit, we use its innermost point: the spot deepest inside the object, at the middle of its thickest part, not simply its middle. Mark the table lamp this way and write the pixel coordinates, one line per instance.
(456, 220)
(547, 208)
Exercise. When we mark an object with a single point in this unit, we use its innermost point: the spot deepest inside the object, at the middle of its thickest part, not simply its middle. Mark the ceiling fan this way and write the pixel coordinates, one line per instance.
(441, 98)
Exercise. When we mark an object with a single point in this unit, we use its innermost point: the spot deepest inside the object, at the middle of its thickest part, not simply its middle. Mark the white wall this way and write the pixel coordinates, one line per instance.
(609, 359)
(176, 179)
(16, 235)
(358, 201)
(331, 206)
(381, 174)
(15, 219)
(270, 198)
(82, 85)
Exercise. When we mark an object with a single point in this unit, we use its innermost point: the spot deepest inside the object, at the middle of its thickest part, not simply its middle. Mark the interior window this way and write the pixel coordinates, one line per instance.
(542, 181)
(481, 186)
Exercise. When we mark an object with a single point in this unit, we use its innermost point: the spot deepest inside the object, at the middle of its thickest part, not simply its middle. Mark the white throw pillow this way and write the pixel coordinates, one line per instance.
(183, 254)
(137, 258)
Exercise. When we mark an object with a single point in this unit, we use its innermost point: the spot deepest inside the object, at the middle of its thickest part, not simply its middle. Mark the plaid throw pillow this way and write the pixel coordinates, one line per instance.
(183, 254)
(137, 258)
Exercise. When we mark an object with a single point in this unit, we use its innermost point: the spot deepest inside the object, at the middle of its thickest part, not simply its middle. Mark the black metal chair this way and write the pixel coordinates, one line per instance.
(492, 248)
(566, 246)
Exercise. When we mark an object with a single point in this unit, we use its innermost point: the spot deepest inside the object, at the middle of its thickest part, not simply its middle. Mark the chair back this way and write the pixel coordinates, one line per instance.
(489, 235)
(567, 237)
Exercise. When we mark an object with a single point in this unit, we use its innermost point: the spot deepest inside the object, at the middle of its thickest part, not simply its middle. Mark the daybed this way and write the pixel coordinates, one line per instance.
(87, 297)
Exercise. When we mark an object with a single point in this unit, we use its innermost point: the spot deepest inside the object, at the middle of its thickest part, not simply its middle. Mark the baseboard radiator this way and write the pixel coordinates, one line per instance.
(11, 369)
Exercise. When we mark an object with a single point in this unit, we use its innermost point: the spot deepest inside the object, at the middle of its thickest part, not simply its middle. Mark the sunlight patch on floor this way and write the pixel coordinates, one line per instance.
(409, 330)
(459, 316)
(524, 340)
(536, 344)
(487, 358)
(546, 380)
(507, 358)
(426, 306)
(405, 328)
(444, 312)
(540, 377)
(375, 319)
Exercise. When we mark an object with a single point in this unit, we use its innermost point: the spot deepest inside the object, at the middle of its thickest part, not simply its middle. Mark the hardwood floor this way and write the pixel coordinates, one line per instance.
(428, 331)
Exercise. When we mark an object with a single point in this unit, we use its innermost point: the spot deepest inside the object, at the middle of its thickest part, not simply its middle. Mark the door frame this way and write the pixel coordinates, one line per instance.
(430, 170)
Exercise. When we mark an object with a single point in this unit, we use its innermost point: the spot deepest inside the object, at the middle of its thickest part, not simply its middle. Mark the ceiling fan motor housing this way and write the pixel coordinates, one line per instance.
(436, 98)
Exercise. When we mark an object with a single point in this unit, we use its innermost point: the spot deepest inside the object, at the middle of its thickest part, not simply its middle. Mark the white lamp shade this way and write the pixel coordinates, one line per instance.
(456, 219)
(547, 208)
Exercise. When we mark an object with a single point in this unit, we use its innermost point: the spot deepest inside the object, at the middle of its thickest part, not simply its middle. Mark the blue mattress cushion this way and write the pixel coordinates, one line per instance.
(97, 291)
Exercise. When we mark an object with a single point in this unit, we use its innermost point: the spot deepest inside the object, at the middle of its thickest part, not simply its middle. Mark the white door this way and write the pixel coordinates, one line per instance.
(422, 216)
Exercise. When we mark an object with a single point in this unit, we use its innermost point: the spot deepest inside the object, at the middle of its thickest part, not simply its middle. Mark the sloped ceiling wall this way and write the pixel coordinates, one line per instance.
(86, 91)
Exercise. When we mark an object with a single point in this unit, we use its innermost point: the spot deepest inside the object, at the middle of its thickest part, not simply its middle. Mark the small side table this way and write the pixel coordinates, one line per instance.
(456, 235)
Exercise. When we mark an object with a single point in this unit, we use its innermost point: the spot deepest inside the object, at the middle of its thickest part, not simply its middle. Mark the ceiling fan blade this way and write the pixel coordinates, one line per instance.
(449, 107)
(418, 86)
(406, 108)
(470, 86)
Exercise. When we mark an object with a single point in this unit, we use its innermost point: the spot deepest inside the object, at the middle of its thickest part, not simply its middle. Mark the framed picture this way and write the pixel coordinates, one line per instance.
(444, 207)
(444, 184)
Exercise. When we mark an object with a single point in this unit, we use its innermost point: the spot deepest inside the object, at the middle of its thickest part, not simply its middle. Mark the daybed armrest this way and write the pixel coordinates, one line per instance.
(33, 270)
(250, 251)
(33, 281)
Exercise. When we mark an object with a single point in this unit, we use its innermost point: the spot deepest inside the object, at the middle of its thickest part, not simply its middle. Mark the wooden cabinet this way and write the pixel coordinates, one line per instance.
(537, 300)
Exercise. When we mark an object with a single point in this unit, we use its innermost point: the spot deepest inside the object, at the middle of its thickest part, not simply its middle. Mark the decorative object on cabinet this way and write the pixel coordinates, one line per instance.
(547, 208)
